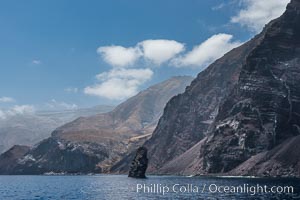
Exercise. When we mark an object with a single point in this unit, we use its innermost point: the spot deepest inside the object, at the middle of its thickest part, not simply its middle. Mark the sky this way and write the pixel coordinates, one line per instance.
(68, 54)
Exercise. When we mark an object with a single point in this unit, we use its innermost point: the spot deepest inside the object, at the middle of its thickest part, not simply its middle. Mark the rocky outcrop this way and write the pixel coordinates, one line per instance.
(139, 164)
(58, 156)
(244, 106)
(9, 159)
(94, 144)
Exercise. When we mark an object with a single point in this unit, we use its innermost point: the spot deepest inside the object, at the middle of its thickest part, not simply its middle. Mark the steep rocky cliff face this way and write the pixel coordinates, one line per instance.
(257, 120)
(187, 117)
(263, 109)
(94, 144)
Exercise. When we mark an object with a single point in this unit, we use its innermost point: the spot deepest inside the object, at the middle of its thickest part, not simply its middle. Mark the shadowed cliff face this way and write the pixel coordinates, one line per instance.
(256, 115)
(93, 144)
(8, 160)
(188, 117)
(263, 110)
(283, 160)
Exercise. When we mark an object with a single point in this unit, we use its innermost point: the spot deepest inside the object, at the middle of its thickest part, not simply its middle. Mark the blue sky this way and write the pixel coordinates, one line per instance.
(65, 54)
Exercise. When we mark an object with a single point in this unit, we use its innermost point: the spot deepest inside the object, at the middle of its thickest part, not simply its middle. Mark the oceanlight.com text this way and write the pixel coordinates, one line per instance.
(214, 188)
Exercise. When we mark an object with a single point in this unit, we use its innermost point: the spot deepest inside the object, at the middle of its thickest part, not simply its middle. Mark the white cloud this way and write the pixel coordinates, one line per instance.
(36, 62)
(119, 56)
(17, 110)
(159, 51)
(118, 84)
(71, 89)
(207, 52)
(259, 12)
(60, 105)
(6, 100)
(156, 51)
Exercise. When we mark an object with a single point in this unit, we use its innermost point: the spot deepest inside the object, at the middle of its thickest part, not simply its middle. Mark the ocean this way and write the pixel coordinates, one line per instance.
(119, 187)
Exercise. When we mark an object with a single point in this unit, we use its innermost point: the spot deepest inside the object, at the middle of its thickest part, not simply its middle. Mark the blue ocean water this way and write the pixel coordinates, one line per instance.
(119, 187)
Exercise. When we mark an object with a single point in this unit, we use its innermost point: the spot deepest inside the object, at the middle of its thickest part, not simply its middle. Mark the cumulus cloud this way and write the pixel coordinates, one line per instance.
(206, 52)
(160, 51)
(119, 83)
(170, 52)
(119, 56)
(257, 13)
(60, 105)
(17, 110)
(156, 51)
(6, 100)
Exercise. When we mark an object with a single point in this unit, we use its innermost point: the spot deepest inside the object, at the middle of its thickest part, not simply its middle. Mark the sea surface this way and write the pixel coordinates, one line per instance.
(119, 187)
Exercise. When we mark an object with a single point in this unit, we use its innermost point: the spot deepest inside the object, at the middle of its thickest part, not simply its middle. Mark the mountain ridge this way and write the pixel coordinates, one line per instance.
(28, 129)
(93, 144)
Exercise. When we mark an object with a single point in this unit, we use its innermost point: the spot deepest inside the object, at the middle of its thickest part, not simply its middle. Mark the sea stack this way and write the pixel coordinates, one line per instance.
(139, 164)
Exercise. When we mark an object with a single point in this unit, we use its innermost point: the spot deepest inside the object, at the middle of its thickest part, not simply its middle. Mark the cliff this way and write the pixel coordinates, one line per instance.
(242, 114)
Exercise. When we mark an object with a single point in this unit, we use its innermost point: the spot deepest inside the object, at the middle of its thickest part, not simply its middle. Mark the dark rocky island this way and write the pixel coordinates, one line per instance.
(139, 164)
